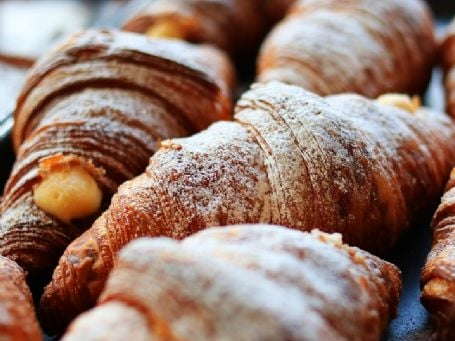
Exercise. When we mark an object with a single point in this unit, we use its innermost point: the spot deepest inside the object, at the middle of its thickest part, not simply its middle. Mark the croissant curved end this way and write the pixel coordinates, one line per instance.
(438, 295)
(165, 29)
(67, 189)
(401, 101)
(75, 282)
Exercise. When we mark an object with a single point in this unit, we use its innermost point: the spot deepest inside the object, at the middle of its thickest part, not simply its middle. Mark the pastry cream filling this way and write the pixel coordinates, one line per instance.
(68, 192)
(405, 102)
(165, 29)
(452, 174)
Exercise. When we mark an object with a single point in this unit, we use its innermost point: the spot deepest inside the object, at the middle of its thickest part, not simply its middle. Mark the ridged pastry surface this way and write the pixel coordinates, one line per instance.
(252, 282)
(448, 59)
(368, 47)
(438, 275)
(342, 164)
(17, 315)
(236, 26)
(104, 100)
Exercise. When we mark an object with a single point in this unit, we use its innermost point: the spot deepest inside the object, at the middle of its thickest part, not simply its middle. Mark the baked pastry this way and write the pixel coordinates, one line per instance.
(448, 59)
(254, 282)
(18, 320)
(90, 115)
(368, 47)
(438, 274)
(217, 22)
(343, 164)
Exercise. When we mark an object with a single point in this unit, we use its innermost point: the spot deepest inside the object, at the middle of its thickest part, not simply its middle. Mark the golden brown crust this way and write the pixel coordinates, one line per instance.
(270, 282)
(448, 60)
(74, 63)
(369, 47)
(17, 315)
(216, 22)
(343, 163)
(438, 274)
(107, 99)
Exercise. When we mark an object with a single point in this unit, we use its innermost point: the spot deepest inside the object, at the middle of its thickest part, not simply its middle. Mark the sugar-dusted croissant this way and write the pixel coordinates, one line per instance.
(345, 164)
(17, 315)
(235, 26)
(252, 282)
(90, 115)
(369, 47)
(448, 59)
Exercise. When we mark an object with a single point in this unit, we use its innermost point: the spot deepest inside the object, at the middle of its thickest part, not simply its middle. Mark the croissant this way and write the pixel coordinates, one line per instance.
(438, 274)
(244, 283)
(368, 47)
(216, 22)
(90, 115)
(344, 164)
(448, 58)
(18, 321)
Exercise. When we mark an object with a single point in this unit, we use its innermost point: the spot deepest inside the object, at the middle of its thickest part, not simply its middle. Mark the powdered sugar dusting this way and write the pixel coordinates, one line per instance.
(341, 164)
(333, 46)
(268, 282)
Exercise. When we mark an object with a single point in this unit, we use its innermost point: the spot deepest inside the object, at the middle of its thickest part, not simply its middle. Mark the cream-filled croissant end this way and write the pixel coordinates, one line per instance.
(91, 114)
(235, 26)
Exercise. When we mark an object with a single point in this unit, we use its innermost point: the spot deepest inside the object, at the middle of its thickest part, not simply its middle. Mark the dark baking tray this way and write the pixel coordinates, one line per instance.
(412, 322)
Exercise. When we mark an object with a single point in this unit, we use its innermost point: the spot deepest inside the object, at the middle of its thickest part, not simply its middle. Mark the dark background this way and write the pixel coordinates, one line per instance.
(442, 8)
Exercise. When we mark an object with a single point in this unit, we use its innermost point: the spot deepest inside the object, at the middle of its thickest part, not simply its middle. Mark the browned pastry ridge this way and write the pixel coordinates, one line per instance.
(236, 26)
(17, 314)
(342, 164)
(252, 282)
(99, 105)
(438, 275)
(368, 47)
(448, 60)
